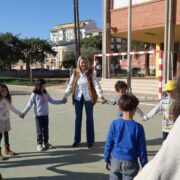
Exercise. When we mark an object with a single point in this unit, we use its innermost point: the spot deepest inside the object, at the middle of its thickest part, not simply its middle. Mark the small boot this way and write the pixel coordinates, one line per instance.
(1, 156)
(8, 151)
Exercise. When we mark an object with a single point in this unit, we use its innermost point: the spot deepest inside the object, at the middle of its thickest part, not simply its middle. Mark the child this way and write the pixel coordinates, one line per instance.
(125, 142)
(163, 106)
(5, 127)
(121, 89)
(169, 118)
(40, 98)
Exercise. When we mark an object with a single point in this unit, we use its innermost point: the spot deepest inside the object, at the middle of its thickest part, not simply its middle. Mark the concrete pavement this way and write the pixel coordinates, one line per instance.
(64, 162)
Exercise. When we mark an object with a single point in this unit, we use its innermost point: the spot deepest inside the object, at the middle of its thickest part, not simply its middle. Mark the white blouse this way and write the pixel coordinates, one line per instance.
(82, 87)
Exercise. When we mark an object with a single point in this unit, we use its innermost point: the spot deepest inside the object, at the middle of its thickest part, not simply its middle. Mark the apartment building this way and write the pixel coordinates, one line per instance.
(65, 32)
(63, 38)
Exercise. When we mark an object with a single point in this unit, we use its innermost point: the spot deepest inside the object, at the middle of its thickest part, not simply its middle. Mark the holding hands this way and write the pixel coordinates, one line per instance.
(103, 100)
(64, 100)
(144, 118)
(22, 115)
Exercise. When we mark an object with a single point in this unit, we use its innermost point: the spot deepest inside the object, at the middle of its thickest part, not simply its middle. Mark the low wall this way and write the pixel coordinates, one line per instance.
(35, 73)
(146, 87)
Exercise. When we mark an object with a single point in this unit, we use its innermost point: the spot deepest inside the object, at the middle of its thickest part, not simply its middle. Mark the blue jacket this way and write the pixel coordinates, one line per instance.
(126, 141)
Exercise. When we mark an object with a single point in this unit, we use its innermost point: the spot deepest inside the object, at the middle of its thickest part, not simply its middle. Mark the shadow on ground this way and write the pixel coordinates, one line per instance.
(58, 159)
(13, 93)
(152, 153)
(154, 142)
(67, 175)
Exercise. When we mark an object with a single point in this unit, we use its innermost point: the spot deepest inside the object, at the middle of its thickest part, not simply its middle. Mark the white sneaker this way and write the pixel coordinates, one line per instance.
(39, 147)
(47, 146)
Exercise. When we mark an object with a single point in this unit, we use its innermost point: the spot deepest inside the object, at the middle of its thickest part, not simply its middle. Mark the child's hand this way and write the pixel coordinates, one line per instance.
(143, 119)
(108, 165)
(103, 100)
(64, 100)
(22, 116)
(111, 102)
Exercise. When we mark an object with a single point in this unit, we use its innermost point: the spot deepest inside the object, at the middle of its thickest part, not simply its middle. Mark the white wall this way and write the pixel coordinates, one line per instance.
(68, 35)
(124, 3)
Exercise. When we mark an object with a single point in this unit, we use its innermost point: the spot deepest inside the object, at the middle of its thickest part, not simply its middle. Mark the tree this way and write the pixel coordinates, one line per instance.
(91, 46)
(89, 53)
(69, 59)
(35, 50)
(94, 42)
(10, 49)
(3, 48)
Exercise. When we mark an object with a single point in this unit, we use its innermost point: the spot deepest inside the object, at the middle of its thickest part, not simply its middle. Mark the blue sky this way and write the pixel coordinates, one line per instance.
(35, 18)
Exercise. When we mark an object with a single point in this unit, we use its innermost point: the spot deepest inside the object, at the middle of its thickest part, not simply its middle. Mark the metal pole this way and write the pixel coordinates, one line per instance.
(172, 65)
(78, 28)
(170, 38)
(169, 43)
(166, 40)
(109, 71)
(129, 46)
(160, 74)
(105, 36)
(75, 30)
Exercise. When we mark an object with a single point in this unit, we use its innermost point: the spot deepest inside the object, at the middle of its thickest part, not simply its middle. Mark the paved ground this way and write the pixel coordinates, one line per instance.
(64, 162)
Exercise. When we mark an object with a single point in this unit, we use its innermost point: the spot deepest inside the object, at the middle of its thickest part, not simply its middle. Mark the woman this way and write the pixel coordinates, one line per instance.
(166, 164)
(84, 87)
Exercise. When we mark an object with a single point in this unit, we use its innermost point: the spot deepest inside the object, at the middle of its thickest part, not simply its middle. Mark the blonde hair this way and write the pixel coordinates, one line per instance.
(78, 63)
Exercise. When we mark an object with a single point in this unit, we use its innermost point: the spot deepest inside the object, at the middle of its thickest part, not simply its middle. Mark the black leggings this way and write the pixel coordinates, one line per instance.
(6, 137)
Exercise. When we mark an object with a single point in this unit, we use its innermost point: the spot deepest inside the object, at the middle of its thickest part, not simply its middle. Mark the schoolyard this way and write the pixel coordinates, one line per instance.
(64, 162)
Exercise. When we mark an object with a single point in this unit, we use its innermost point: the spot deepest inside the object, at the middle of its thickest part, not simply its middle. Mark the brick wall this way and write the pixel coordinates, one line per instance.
(147, 15)
(138, 62)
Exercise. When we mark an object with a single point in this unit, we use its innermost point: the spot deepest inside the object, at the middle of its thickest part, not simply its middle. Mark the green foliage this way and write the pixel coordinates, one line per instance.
(10, 49)
(35, 50)
(25, 81)
(91, 46)
(89, 53)
(69, 59)
(15, 81)
(93, 42)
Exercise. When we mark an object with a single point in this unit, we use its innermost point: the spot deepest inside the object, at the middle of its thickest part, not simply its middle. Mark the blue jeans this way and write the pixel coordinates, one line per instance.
(89, 120)
(42, 129)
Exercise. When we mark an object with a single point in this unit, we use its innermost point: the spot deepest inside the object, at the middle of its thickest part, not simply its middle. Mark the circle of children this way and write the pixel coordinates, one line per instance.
(125, 141)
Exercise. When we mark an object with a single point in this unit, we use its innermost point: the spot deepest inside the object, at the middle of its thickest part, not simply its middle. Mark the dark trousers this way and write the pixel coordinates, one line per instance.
(165, 134)
(42, 129)
(89, 120)
(6, 137)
